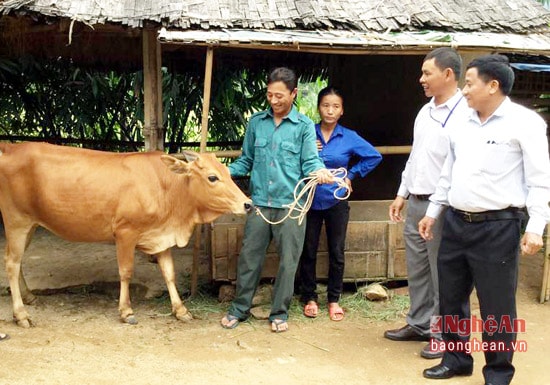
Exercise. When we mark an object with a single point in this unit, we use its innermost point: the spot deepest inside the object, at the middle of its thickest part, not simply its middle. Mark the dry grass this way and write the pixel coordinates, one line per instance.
(205, 303)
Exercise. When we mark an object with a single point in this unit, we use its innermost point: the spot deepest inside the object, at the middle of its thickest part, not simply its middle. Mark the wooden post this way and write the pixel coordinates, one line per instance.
(204, 139)
(206, 97)
(153, 131)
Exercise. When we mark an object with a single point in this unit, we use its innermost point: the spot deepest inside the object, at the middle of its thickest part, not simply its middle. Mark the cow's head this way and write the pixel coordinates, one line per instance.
(209, 183)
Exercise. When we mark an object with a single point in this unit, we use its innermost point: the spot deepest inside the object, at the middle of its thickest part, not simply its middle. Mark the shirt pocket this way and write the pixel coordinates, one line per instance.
(500, 158)
(260, 149)
(290, 153)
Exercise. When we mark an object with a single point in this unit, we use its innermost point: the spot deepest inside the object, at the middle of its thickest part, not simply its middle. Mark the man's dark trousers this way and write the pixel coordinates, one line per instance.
(483, 255)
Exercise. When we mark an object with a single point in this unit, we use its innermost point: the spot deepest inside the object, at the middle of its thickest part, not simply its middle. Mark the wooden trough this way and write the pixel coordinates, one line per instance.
(375, 249)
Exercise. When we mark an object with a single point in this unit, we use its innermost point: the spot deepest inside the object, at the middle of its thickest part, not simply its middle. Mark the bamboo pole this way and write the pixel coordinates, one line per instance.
(204, 137)
(384, 150)
(206, 97)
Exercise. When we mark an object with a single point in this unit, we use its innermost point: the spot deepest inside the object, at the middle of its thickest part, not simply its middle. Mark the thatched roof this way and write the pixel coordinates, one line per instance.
(107, 33)
(515, 16)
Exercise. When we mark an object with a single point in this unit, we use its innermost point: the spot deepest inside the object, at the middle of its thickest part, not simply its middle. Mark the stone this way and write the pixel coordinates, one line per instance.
(375, 292)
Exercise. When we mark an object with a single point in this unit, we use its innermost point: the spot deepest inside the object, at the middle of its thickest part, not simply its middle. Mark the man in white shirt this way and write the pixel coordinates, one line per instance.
(497, 165)
(440, 73)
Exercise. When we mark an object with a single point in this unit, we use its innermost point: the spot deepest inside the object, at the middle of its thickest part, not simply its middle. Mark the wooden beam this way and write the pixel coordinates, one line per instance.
(384, 150)
(153, 131)
(356, 50)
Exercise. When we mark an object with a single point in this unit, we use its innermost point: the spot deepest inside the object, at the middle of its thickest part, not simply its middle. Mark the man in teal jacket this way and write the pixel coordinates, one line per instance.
(279, 149)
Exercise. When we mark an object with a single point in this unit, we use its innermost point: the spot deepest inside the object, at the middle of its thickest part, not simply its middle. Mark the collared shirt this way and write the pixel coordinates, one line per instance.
(500, 163)
(342, 145)
(430, 144)
(277, 157)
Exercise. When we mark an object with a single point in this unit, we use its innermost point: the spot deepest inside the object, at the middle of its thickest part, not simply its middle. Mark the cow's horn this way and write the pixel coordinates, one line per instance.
(187, 156)
(190, 155)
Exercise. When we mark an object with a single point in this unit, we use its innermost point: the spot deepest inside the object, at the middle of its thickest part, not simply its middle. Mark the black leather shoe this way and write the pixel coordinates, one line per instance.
(406, 333)
(429, 353)
(441, 372)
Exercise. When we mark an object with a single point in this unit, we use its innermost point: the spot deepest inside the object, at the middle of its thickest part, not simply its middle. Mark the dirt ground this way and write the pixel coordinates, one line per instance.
(78, 339)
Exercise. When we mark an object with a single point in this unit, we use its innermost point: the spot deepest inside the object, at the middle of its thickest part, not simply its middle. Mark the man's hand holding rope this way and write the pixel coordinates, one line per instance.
(321, 176)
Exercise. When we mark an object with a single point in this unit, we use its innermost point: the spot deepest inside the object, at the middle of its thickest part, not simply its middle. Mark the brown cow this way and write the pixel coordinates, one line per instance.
(148, 200)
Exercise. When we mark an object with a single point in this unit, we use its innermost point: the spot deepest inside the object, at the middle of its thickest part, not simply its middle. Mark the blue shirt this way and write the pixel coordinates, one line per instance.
(277, 158)
(342, 145)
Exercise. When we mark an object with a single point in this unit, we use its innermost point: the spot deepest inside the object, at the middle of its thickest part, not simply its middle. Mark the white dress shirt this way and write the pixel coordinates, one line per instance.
(430, 144)
(500, 163)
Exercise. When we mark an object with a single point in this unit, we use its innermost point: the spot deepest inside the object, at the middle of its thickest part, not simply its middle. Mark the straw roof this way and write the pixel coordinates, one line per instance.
(107, 33)
(515, 16)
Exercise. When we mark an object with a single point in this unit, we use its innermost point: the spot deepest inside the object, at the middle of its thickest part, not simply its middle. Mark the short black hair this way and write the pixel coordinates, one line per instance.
(494, 67)
(285, 75)
(446, 57)
(329, 90)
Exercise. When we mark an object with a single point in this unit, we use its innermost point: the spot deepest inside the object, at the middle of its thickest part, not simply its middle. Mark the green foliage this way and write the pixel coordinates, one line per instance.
(235, 96)
(57, 100)
(60, 102)
(307, 97)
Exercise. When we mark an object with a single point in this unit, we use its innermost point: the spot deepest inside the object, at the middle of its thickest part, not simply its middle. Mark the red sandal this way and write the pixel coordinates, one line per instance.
(311, 309)
(335, 312)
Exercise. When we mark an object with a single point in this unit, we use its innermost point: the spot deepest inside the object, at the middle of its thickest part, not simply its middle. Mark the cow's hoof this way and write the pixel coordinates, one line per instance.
(29, 299)
(24, 323)
(185, 317)
(131, 319)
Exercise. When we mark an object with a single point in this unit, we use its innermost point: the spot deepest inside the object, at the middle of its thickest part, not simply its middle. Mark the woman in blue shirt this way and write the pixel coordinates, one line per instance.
(336, 145)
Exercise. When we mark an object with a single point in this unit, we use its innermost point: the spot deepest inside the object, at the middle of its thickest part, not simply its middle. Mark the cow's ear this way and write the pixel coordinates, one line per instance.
(175, 165)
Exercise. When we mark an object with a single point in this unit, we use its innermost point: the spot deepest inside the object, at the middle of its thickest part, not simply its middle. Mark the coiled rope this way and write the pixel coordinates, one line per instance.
(311, 183)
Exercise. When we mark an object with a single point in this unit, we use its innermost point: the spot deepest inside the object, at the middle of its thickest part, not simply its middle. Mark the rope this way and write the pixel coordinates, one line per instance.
(311, 183)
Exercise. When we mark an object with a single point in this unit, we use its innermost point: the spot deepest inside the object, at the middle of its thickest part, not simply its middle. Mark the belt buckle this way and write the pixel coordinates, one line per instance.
(467, 216)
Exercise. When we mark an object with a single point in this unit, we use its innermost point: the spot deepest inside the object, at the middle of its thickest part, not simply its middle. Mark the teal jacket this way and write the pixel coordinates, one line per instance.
(277, 158)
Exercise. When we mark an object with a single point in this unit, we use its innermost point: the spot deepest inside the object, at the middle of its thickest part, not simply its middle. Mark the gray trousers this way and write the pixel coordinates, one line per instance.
(421, 258)
(289, 239)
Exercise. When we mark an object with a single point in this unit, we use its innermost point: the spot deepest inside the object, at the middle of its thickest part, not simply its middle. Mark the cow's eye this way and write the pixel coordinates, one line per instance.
(213, 178)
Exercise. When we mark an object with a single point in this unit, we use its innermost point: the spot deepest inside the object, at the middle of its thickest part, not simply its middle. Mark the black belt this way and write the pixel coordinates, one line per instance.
(492, 215)
(422, 197)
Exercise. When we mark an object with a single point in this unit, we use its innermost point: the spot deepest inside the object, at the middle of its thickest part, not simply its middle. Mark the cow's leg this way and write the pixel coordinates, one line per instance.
(166, 265)
(125, 250)
(26, 294)
(16, 242)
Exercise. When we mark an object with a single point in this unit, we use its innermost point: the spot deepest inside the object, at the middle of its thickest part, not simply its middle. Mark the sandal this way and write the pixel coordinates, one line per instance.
(279, 325)
(335, 312)
(4, 336)
(232, 321)
(311, 309)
